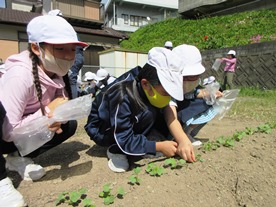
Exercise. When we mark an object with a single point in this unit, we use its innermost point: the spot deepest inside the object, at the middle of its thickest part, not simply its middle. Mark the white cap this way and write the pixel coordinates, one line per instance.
(101, 74)
(168, 44)
(52, 30)
(232, 52)
(55, 12)
(168, 67)
(209, 80)
(89, 76)
(191, 59)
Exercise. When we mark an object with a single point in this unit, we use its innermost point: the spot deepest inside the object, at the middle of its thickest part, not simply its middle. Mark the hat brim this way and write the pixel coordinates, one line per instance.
(192, 70)
(82, 44)
(173, 85)
(99, 78)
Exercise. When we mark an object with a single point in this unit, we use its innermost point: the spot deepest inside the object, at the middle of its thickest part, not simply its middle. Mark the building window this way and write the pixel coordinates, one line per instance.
(134, 21)
(125, 17)
(138, 21)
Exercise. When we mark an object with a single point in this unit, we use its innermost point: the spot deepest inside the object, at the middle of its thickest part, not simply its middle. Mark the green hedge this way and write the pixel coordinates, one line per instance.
(208, 33)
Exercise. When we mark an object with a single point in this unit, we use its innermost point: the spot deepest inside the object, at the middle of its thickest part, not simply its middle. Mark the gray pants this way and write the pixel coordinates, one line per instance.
(228, 80)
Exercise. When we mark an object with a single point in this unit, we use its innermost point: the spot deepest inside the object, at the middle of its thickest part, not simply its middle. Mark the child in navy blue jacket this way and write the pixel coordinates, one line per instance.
(123, 115)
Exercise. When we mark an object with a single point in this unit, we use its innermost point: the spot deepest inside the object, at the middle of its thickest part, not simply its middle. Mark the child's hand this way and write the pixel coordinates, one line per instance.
(185, 150)
(55, 127)
(168, 148)
(55, 103)
(219, 94)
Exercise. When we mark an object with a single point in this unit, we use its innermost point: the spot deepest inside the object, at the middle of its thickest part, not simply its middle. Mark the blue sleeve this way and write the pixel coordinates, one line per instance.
(129, 142)
(78, 63)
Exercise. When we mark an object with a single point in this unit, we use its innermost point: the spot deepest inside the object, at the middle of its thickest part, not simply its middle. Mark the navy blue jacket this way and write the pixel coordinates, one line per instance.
(74, 70)
(111, 123)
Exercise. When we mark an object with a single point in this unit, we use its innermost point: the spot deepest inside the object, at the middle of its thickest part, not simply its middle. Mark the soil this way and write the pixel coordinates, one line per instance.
(244, 175)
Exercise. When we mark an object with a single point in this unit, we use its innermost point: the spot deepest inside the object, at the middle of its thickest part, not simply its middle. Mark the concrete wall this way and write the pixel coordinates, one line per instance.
(256, 65)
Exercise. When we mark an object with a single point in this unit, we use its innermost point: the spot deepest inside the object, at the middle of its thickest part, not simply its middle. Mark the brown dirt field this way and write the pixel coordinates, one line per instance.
(244, 175)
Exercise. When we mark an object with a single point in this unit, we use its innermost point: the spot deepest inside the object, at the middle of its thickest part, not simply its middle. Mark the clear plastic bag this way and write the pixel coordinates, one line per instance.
(31, 136)
(216, 64)
(34, 134)
(209, 93)
(224, 103)
(77, 108)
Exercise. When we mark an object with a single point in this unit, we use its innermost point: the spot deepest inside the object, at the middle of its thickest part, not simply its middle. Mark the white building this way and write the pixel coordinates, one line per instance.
(129, 15)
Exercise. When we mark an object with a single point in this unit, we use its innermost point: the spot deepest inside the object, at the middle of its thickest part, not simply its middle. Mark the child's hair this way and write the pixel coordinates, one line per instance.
(35, 62)
(149, 73)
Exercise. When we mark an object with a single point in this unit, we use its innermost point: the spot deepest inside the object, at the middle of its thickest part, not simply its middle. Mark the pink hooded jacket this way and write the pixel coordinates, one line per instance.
(18, 93)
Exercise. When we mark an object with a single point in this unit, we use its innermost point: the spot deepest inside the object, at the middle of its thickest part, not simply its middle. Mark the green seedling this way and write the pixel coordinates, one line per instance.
(174, 163)
(209, 146)
(154, 170)
(238, 136)
(221, 140)
(249, 131)
(265, 128)
(272, 125)
(199, 158)
(229, 142)
(134, 178)
(74, 198)
(120, 192)
(108, 196)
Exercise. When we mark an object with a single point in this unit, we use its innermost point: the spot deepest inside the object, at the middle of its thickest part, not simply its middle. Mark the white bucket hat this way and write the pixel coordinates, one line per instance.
(101, 74)
(52, 30)
(168, 66)
(191, 59)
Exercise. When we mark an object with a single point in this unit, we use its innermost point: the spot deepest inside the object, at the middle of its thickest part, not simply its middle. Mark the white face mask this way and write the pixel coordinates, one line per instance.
(189, 86)
(55, 65)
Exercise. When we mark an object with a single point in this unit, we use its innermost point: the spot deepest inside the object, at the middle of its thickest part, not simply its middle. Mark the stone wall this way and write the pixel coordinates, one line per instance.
(256, 65)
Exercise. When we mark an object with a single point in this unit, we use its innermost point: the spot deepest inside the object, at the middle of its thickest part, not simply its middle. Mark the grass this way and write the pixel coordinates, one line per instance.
(255, 104)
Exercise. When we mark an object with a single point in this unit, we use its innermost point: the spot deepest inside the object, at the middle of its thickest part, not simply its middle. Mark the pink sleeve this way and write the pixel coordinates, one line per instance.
(16, 91)
(229, 60)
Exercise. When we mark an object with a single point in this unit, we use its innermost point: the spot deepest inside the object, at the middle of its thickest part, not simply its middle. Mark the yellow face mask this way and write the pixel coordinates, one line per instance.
(157, 99)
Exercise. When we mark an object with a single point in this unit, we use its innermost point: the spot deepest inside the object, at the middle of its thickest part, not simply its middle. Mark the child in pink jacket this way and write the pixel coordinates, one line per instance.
(229, 69)
(35, 83)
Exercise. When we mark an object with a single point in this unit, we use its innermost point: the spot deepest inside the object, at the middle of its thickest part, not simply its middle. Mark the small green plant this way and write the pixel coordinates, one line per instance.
(199, 158)
(154, 170)
(108, 196)
(229, 142)
(238, 136)
(250, 131)
(174, 163)
(74, 198)
(209, 146)
(265, 128)
(134, 178)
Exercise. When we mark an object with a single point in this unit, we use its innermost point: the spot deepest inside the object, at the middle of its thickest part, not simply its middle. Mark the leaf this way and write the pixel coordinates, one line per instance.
(87, 202)
(60, 199)
(183, 162)
(102, 194)
(168, 161)
(160, 171)
(221, 140)
(121, 191)
(106, 188)
(132, 179)
(109, 200)
(83, 191)
(74, 196)
(137, 170)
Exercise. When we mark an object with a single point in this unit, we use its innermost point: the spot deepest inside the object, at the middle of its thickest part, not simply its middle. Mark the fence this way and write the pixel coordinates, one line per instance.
(256, 65)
